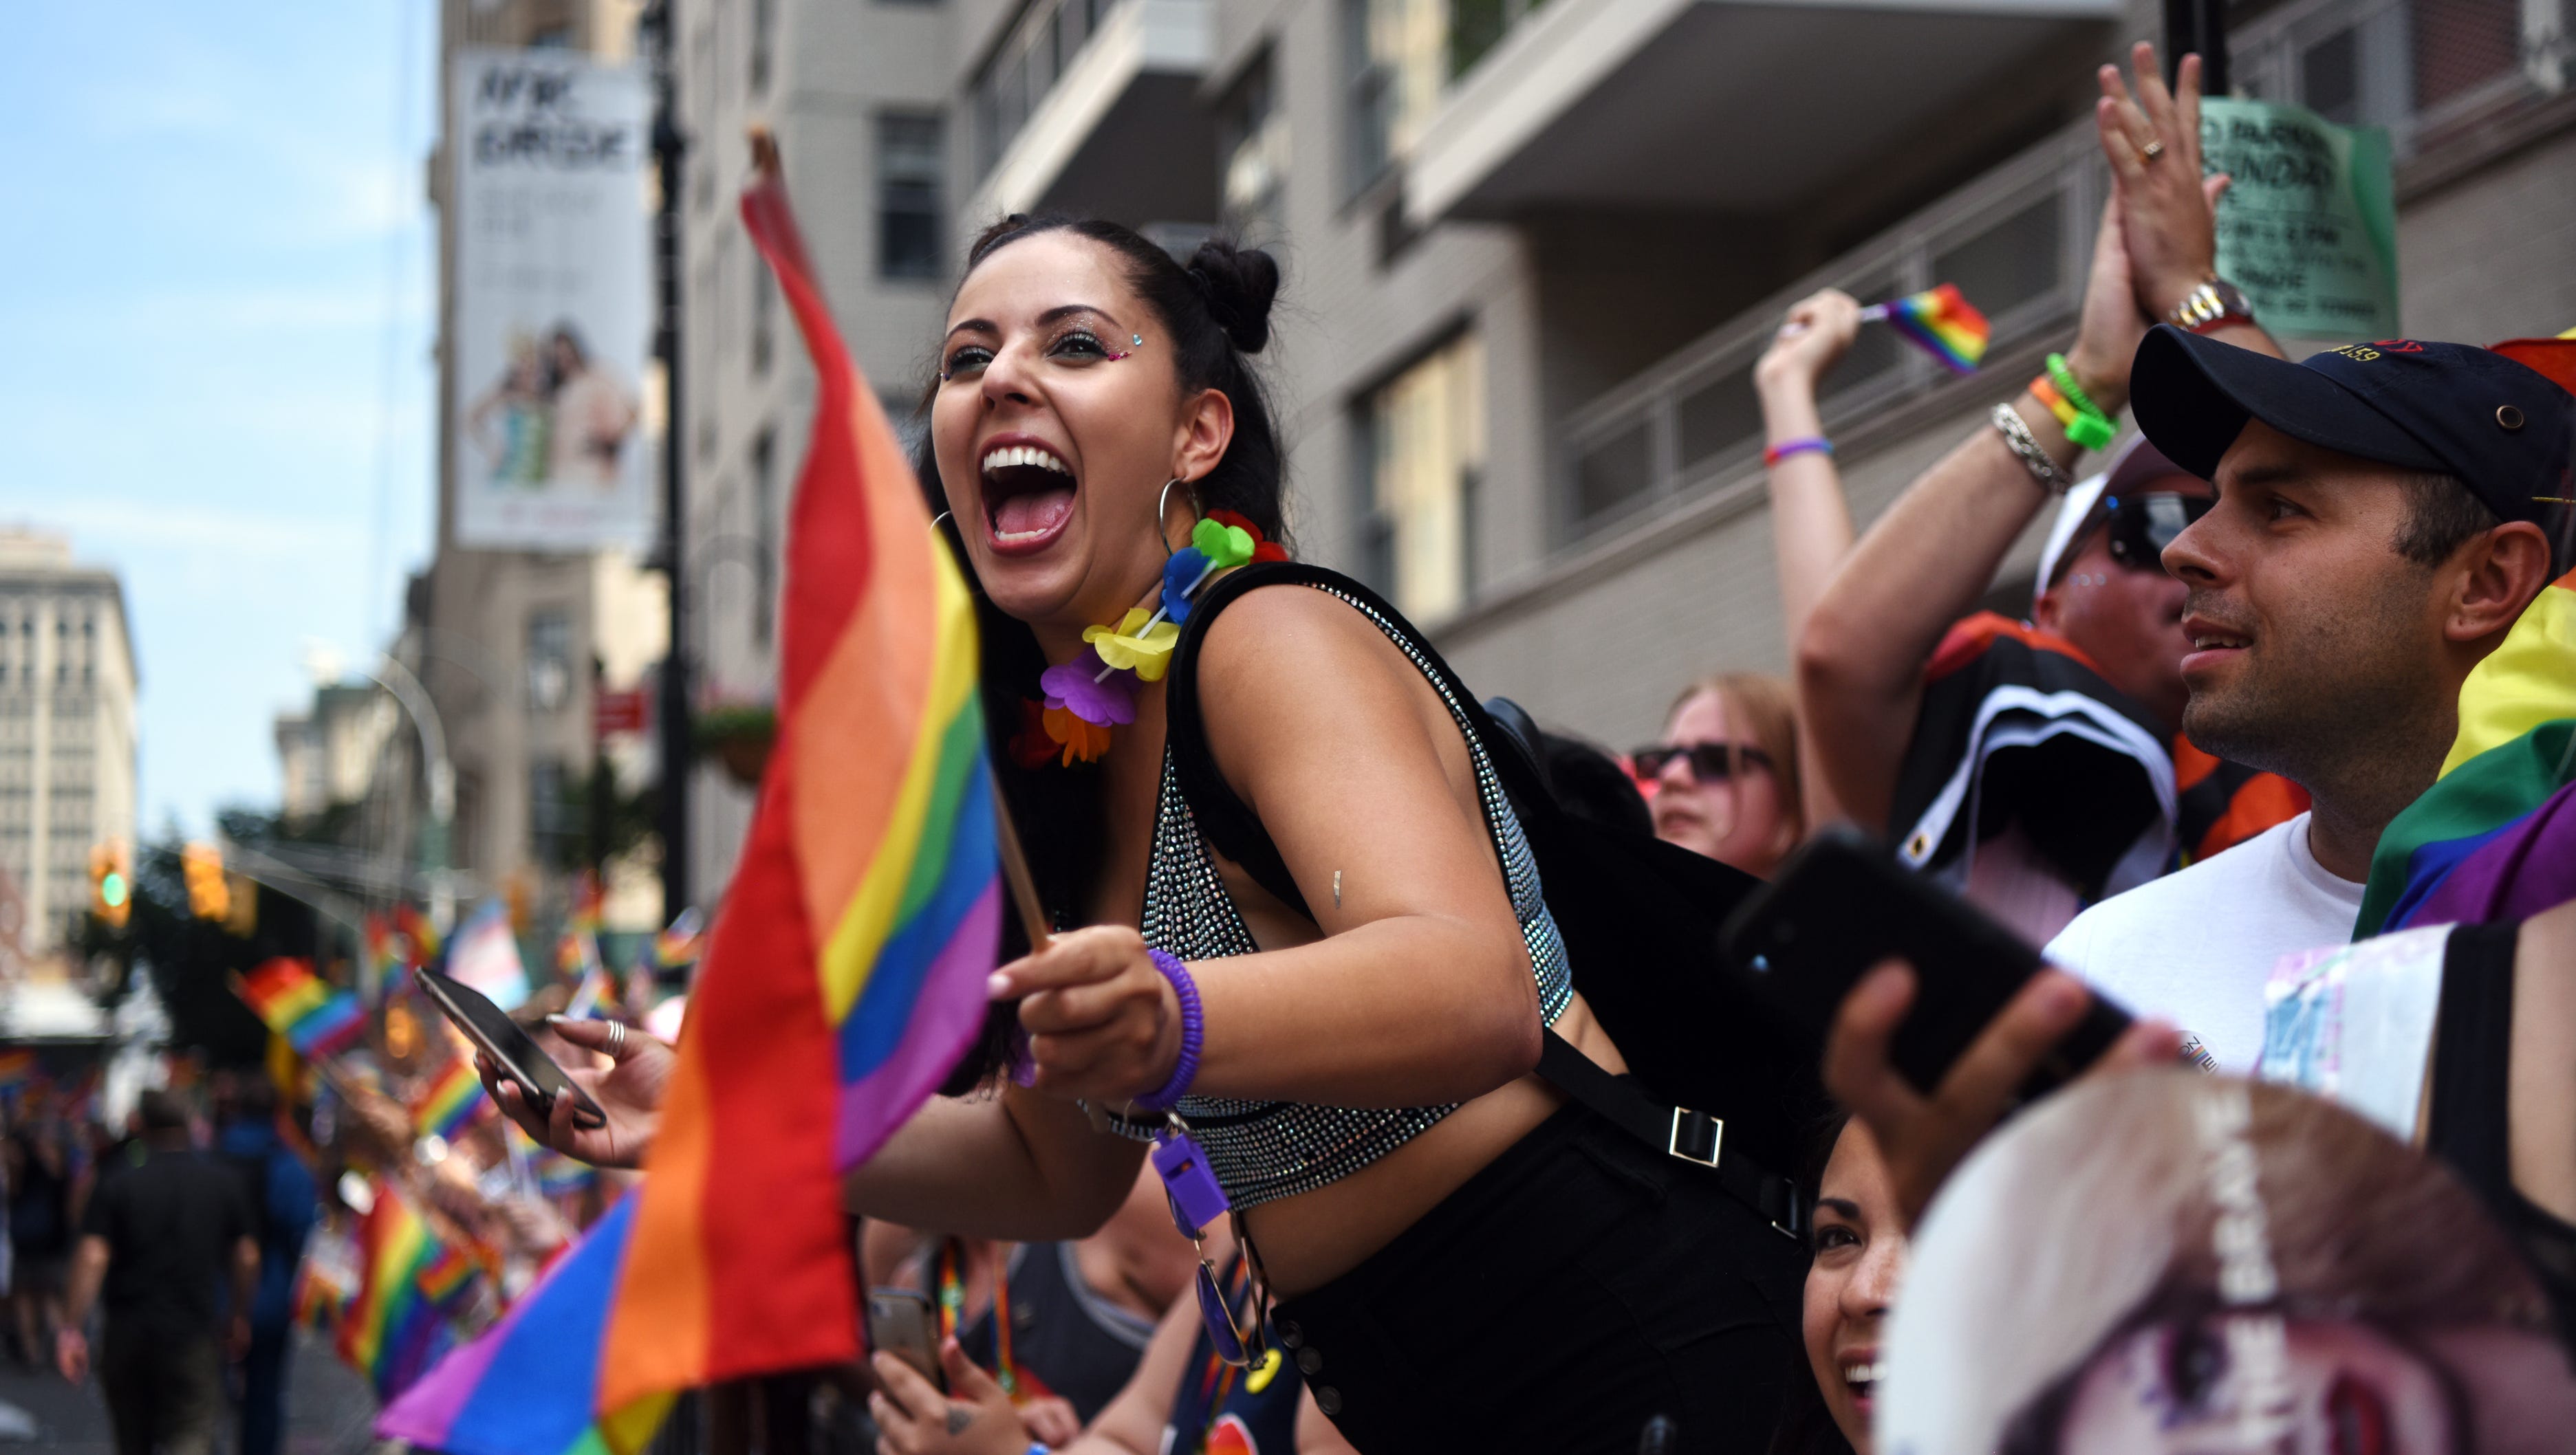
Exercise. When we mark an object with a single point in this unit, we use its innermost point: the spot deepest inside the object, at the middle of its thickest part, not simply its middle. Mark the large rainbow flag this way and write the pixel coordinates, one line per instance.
(843, 979)
(2495, 836)
(314, 1018)
(410, 1285)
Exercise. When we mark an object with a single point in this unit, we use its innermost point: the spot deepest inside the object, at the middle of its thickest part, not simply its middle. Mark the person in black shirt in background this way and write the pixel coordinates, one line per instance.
(156, 1242)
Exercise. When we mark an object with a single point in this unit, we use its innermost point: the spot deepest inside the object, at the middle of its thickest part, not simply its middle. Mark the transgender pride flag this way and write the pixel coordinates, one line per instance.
(844, 978)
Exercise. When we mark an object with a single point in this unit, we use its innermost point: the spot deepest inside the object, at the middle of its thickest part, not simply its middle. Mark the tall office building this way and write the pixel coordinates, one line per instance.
(67, 734)
(514, 646)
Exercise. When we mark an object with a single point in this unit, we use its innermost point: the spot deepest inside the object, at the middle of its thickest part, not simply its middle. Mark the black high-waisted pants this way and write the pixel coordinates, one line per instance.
(1575, 1288)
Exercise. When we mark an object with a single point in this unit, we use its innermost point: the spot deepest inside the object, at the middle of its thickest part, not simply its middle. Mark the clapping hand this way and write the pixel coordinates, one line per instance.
(2151, 138)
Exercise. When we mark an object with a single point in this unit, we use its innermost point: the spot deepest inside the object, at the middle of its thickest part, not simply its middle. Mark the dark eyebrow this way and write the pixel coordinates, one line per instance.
(1053, 315)
(1842, 1205)
(2267, 475)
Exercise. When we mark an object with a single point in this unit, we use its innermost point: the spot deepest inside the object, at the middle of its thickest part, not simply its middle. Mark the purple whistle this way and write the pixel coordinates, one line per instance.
(1196, 1199)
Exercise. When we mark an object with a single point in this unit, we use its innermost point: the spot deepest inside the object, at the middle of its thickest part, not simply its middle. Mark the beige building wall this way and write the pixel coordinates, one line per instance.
(825, 77)
(67, 732)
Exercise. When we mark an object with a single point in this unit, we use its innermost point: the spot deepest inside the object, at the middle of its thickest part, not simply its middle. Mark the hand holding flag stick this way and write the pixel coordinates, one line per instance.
(1940, 321)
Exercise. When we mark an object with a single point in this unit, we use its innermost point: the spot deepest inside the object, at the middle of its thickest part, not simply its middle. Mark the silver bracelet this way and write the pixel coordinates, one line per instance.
(2025, 448)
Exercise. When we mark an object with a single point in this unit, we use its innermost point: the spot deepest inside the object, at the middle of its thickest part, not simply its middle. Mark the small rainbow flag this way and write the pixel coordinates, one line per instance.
(315, 1019)
(2495, 836)
(449, 1101)
(1941, 322)
(678, 947)
(409, 1284)
(415, 929)
(844, 977)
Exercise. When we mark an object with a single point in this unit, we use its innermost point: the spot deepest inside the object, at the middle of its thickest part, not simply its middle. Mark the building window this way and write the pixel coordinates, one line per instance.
(549, 660)
(764, 517)
(764, 314)
(553, 828)
(1397, 64)
(909, 155)
(764, 43)
(1423, 460)
(1252, 157)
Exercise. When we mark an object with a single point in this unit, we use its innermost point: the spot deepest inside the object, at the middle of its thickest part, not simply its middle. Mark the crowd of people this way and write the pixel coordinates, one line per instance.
(1471, 1141)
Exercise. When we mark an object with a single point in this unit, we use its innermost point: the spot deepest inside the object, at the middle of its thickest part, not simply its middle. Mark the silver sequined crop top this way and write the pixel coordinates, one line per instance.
(1264, 1151)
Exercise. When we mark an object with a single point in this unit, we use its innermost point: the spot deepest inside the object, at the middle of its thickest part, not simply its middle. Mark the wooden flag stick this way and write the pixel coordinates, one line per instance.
(1015, 868)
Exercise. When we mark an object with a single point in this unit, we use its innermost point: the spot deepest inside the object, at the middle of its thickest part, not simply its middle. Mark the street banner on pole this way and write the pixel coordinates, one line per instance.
(553, 300)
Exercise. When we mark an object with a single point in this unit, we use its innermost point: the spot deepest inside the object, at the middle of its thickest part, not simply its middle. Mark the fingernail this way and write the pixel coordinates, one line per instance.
(998, 986)
(558, 1019)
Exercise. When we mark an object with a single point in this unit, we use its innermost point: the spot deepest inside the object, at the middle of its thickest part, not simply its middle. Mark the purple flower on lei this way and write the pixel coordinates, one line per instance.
(1106, 702)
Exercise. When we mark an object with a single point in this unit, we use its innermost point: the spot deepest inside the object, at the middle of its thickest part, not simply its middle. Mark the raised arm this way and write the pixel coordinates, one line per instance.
(1924, 563)
(1811, 529)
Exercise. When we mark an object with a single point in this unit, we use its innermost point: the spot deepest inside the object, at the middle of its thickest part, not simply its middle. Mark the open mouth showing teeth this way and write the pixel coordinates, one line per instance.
(2213, 643)
(1028, 494)
(1861, 1377)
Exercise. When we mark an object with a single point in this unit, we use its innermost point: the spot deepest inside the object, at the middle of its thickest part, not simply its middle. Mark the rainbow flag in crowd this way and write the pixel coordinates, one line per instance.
(449, 1101)
(409, 1285)
(843, 979)
(1941, 322)
(2495, 836)
(314, 1018)
(678, 947)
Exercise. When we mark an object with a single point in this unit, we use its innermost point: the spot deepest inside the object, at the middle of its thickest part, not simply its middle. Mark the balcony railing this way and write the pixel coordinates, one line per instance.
(2017, 240)
(1038, 50)
(2016, 243)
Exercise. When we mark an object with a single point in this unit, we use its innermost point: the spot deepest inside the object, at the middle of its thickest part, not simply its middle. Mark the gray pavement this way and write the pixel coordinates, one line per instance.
(328, 1408)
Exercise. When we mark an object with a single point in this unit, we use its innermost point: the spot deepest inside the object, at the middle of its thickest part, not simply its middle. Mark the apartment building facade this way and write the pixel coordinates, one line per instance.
(67, 734)
(513, 647)
(1532, 250)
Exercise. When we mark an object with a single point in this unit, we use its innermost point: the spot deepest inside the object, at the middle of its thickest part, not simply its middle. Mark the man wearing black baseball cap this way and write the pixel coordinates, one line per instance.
(2385, 511)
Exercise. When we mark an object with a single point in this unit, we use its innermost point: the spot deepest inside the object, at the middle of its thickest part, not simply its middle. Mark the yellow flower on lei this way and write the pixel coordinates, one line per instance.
(1132, 646)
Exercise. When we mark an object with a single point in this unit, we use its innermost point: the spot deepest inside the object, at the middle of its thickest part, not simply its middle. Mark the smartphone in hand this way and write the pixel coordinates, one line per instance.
(511, 1049)
(900, 1322)
(1842, 904)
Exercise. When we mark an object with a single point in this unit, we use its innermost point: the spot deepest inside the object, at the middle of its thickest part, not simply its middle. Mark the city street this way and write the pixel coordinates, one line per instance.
(328, 1409)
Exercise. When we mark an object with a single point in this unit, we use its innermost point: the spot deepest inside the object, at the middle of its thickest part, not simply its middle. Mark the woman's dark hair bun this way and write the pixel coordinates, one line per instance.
(1239, 283)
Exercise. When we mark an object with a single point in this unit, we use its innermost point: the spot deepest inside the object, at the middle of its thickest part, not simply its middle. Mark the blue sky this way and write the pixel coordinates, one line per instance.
(216, 310)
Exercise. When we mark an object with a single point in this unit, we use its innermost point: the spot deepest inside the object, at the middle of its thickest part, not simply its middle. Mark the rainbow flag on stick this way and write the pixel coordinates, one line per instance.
(2495, 836)
(1941, 322)
(844, 976)
(449, 1101)
(410, 1284)
(315, 1019)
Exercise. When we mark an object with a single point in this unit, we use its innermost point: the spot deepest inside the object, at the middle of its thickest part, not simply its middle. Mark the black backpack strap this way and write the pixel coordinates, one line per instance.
(1692, 1136)
(1228, 824)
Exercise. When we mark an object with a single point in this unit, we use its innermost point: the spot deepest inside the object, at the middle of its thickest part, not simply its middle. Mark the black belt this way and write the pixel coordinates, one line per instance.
(1675, 1131)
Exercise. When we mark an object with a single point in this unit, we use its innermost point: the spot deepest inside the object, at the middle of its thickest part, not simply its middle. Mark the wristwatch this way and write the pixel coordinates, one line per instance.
(2215, 302)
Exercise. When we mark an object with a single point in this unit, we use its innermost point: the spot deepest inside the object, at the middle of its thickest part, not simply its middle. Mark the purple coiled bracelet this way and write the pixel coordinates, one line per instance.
(1193, 1034)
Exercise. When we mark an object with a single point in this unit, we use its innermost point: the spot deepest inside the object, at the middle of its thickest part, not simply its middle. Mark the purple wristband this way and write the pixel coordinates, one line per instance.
(1193, 1034)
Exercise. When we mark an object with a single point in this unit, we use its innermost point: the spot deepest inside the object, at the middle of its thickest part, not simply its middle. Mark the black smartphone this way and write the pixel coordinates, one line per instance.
(499, 1037)
(1842, 904)
(901, 1323)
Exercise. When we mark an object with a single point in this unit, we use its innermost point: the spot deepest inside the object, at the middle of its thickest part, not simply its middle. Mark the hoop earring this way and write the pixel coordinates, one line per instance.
(936, 519)
(1162, 504)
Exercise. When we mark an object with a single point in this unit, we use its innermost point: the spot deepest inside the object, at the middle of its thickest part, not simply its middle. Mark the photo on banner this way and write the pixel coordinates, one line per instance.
(553, 322)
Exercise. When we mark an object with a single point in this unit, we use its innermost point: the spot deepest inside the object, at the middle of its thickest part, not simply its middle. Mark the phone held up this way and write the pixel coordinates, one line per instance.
(900, 1323)
(1842, 904)
(512, 1050)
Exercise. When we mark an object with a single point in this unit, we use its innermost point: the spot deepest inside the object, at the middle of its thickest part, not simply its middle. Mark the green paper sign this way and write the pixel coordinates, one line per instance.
(2309, 227)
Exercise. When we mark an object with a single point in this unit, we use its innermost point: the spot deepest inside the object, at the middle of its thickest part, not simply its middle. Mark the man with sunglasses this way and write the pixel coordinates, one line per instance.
(2382, 514)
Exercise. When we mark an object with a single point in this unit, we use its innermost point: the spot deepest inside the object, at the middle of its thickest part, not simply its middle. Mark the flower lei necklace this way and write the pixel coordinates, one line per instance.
(1096, 691)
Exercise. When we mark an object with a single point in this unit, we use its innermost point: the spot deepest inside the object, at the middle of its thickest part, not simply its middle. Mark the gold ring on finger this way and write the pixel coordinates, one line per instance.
(2154, 148)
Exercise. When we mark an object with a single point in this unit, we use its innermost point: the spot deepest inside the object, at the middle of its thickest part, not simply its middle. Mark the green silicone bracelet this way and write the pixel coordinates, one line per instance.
(2063, 376)
(2090, 431)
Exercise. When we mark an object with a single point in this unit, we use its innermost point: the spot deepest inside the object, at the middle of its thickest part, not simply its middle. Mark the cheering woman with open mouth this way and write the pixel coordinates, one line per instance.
(1315, 958)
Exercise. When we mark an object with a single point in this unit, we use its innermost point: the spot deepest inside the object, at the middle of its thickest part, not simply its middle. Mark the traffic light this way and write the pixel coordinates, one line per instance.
(209, 897)
(111, 882)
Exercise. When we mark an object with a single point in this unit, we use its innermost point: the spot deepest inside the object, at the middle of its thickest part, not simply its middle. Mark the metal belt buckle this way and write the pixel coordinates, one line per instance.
(1693, 1130)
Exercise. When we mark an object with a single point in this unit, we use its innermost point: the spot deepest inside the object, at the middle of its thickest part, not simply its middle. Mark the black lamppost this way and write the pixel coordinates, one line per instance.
(670, 147)
(2198, 26)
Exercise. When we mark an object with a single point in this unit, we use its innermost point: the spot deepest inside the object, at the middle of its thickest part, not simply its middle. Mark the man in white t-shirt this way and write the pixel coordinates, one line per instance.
(2385, 511)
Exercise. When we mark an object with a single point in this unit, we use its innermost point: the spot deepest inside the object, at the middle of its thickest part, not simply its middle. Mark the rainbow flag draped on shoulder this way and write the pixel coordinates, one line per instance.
(843, 978)
(316, 1019)
(2495, 836)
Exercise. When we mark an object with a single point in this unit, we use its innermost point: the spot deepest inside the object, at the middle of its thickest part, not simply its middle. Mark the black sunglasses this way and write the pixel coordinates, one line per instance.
(2141, 526)
(1709, 762)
